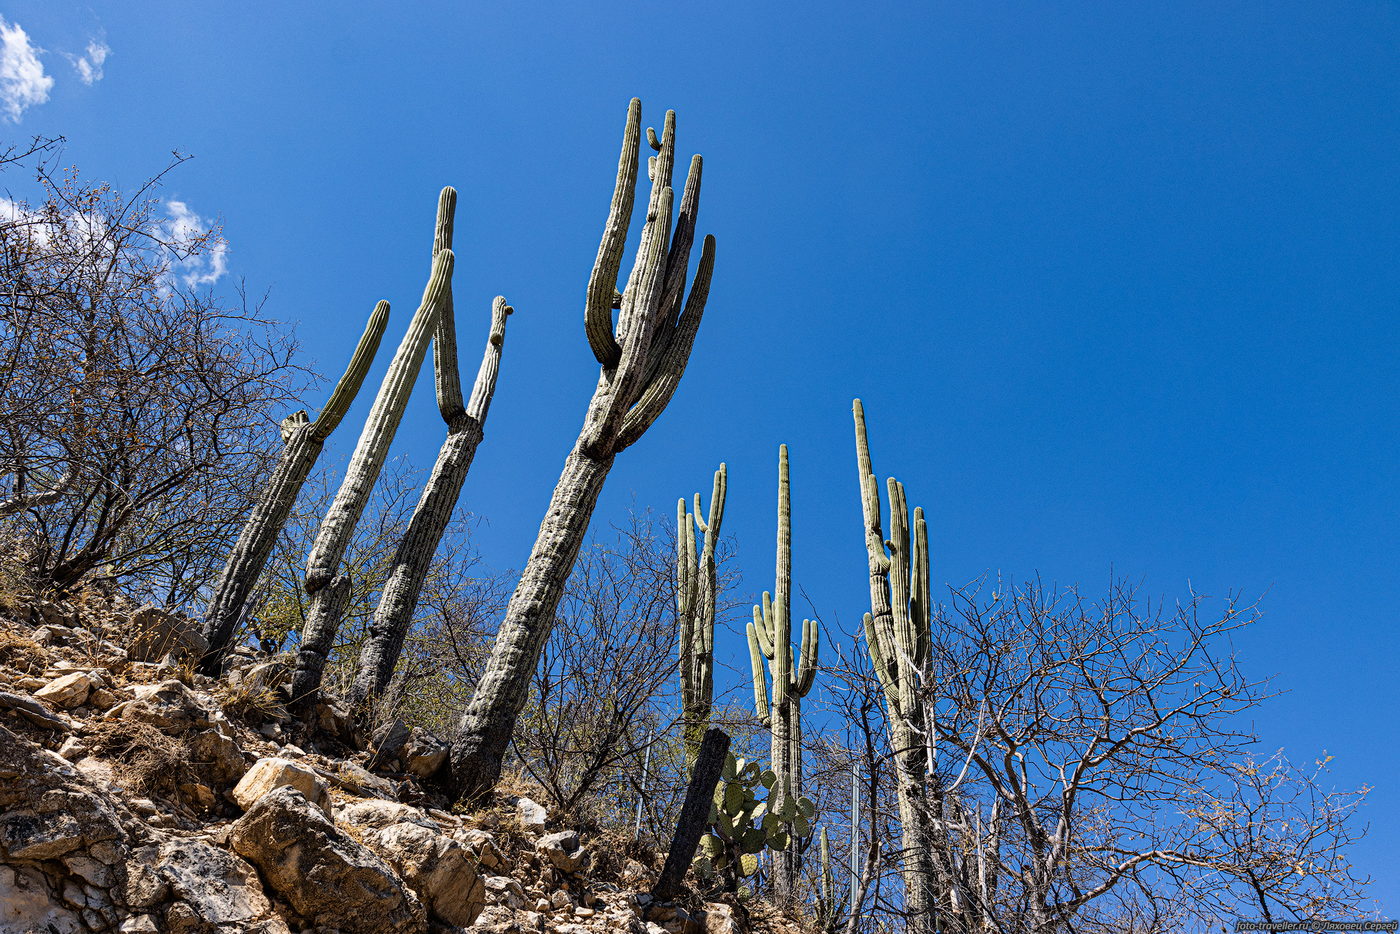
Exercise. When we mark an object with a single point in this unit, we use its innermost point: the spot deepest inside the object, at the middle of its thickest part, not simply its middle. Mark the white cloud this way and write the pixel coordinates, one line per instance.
(22, 80)
(185, 228)
(89, 67)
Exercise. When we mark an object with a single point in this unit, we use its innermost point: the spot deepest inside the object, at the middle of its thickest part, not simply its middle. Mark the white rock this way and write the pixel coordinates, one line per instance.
(69, 691)
(267, 775)
(531, 814)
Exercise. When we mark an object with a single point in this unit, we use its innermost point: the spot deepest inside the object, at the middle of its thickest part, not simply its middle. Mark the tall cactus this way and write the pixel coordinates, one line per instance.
(338, 527)
(770, 638)
(695, 610)
(466, 423)
(898, 634)
(642, 360)
(302, 441)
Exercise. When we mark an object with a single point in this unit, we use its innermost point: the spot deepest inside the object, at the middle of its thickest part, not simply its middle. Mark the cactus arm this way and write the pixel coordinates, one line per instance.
(677, 266)
(484, 387)
(760, 679)
(602, 283)
(879, 662)
(636, 325)
(685, 603)
(921, 601)
(333, 536)
(447, 378)
(763, 622)
(349, 385)
(807, 666)
(657, 395)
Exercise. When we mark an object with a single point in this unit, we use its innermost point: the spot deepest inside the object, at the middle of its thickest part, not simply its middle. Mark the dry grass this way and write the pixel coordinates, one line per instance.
(22, 653)
(254, 703)
(144, 759)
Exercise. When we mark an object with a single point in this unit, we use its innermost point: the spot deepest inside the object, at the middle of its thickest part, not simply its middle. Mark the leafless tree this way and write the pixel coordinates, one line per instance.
(137, 406)
(1095, 771)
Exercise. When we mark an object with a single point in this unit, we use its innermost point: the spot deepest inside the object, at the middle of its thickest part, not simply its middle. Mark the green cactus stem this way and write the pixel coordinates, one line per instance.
(302, 443)
(642, 360)
(338, 527)
(466, 425)
(898, 636)
(695, 610)
(770, 638)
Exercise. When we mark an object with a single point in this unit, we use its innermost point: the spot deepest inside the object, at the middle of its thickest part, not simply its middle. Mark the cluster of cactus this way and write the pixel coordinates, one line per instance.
(770, 639)
(302, 442)
(899, 637)
(742, 826)
(329, 589)
(695, 611)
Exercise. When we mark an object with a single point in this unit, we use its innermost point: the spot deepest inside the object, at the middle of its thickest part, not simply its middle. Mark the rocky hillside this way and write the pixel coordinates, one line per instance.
(137, 796)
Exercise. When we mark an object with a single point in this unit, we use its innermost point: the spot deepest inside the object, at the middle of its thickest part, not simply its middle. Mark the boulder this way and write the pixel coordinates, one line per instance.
(155, 634)
(441, 871)
(267, 775)
(322, 873)
(719, 919)
(212, 889)
(424, 754)
(27, 905)
(169, 706)
(531, 814)
(562, 850)
(70, 690)
(217, 758)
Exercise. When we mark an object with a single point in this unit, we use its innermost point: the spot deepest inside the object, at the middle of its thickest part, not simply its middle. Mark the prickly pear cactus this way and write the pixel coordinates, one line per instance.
(742, 826)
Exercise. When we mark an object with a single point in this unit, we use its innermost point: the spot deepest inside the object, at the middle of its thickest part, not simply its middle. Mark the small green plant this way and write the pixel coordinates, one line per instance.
(742, 826)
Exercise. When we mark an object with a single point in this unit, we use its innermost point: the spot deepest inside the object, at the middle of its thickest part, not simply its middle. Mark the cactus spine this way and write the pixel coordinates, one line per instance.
(336, 529)
(642, 360)
(898, 634)
(695, 610)
(466, 423)
(302, 442)
(770, 638)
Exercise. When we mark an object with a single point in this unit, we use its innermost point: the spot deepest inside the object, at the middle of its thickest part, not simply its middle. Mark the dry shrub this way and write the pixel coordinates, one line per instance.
(144, 759)
(253, 703)
(22, 654)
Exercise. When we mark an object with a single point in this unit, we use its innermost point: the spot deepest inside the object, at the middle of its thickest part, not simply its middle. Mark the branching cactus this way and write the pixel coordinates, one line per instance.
(466, 423)
(641, 361)
(695, 609)
(770, 638)
(742, 826)
(899, 637)
(302, 442)
(338, 527)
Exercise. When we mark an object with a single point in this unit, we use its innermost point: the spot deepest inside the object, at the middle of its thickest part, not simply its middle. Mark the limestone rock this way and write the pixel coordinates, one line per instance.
(155, 633)
(217, 758)
(719, 919)
(322, 873)
(563, 850)
(441, 871)
(26, 904)
(169, 706)
(70, 690)
(267, 775)
(424, 754)
(531, 814)
(214, 891)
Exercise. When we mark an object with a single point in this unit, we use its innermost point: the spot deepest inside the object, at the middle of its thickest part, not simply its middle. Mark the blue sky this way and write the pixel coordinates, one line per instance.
(1116, 281)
